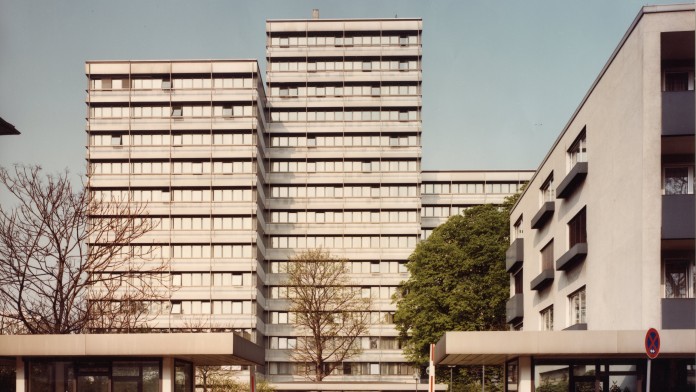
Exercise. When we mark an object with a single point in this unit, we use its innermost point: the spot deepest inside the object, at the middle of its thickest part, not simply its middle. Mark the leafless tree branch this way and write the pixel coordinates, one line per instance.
(67, 263)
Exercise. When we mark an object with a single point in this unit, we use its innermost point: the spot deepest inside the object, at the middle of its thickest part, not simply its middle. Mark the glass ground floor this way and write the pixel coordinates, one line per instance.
(94, 375)
(603, 375)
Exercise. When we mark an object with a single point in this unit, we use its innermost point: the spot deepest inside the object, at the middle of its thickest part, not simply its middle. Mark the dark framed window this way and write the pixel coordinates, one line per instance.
(577, 229)
(518, 282)
(547, 257)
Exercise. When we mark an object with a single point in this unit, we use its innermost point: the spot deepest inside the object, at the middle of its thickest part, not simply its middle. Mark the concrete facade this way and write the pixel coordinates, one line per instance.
(237, 182)
(603, 236)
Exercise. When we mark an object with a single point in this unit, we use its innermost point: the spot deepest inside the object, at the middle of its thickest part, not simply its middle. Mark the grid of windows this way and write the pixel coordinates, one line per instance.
(354, 39)
(470, 188)
(342, 191)
(343, 242)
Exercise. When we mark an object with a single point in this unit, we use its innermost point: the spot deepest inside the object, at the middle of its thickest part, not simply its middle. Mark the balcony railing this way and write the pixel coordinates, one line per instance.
(678, 313)
(575, 177)
(678, 113)
(514, 309)
(572, 257)
(678, 217)
(514, 256)
(543, 215)
(543, 280)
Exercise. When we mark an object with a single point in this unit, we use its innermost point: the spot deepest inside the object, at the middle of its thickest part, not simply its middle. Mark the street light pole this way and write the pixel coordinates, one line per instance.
(450, 386)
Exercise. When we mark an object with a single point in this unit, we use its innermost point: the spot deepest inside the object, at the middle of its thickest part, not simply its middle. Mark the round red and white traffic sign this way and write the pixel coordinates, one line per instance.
(652, 343)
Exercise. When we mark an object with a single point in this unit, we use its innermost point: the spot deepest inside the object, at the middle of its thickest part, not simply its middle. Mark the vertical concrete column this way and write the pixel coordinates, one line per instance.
(526, 376)
(168, 374)
(20, 375)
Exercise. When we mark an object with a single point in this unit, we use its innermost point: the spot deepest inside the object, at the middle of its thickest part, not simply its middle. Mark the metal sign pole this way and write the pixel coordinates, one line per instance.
(647, 386)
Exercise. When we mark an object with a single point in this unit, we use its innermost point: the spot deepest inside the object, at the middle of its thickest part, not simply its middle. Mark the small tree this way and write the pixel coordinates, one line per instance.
(66, 265)
(330, 314)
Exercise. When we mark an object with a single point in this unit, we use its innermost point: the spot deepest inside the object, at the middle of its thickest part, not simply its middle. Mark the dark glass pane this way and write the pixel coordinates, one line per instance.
(676, 180)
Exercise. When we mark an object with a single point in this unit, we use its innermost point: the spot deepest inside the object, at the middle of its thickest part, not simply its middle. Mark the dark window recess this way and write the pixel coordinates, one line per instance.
(577, 229)
(676, 81)
(518, 282)
(547, 257)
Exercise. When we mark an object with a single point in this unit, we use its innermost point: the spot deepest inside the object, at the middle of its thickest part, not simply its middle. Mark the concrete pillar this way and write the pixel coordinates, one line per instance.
(20, 375)
(526, 376)
(168, 374)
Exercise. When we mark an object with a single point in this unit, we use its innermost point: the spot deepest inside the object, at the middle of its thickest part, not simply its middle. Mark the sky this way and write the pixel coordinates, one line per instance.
(500, 78)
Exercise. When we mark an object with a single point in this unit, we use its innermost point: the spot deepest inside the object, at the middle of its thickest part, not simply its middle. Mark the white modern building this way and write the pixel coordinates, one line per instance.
(237, 182)
(603, 236)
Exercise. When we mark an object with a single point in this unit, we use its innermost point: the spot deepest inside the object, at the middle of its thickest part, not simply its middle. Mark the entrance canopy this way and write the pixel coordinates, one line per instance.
(196, 348)
(496, 347)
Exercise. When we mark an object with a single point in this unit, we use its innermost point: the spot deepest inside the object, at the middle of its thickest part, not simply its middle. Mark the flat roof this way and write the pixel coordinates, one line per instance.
(496, 347)
(198, 348)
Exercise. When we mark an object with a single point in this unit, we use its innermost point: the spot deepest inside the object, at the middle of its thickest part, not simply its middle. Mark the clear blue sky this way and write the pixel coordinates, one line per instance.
(500, 78)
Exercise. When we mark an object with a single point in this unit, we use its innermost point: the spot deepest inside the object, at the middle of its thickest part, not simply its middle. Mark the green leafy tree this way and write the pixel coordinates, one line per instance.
(457, 282)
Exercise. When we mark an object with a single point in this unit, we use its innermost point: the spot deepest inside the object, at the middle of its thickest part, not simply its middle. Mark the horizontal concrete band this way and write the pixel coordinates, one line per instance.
(199, 348)
(495, 347)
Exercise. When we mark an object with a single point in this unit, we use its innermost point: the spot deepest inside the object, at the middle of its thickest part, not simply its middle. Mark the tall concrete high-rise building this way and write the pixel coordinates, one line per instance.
(344, 98)
(236, 183)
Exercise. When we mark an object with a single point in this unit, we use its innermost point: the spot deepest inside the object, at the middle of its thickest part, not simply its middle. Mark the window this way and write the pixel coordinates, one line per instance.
(166, 84)
(517, 229)
(677, 81)
(403, 65)
(547, 257)
(403, 41)
(116, 140)
(227, 111)
(577, 307)
(577, 229)
(546, 190)
(578, 150)
(518, 282)
(677, 279)
(547, 319)
(367, 66)
(678, 180)
(177, 111)
(284, 42)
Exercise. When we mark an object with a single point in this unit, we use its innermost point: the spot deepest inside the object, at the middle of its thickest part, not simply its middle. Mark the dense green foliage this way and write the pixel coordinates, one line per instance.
(457, 280)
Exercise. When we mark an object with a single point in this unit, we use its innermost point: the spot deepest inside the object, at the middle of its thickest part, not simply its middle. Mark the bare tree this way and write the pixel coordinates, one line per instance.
(66, 261)
(329, 312)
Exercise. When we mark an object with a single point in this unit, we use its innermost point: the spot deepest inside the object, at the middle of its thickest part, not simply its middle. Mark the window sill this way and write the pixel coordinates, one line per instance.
(577, 327)
(570, 183)
(543, 280)
(572, 257)
(543, 215)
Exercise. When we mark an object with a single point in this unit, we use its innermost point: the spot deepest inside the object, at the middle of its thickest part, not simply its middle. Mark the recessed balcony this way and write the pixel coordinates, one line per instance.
(514, 256)
(542, 281)
(572, 257)
(678, 217)
(514, 309)
(678, 113)
(570, 183)
(543, 215)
